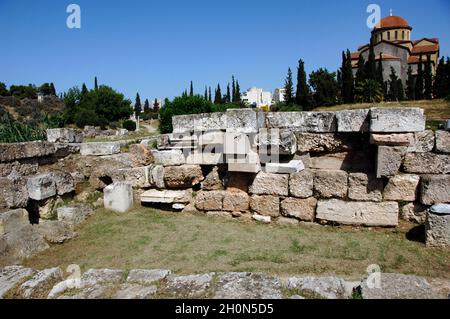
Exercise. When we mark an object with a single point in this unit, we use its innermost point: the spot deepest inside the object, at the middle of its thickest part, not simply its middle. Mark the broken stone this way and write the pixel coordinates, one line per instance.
(64, 135)
(157, 176)
(183, 176)
(141, 155)
(24, 242)
(319, 287)
(353, 120)
(426, 163)
(435, 189)
(178, 206)
(402, 188)
(147, 276)
(16, 151)
(397, 120)
(440, 209)
(331, 183)
(13, 192)
(443, 141)
(55, 231)
(99, 148)
(437, 227)
(130, 291)
(41, 186)
(118, 197)
(265, 205)
(247, 286)
(165, 196)
(209, 201)
(219, 214)
(242, 121)
(192, 286)
(236, 201)
(270, 184)
(137, 177)
(358, 213)
(275, 141)
(364, 187)
(301, 184)
(12, 220)
(315, 122)
(94, 277)
(64, 182)
(11, 277)
(212, 181)
(414, 212)
(423, 142)
(303, 209)
(405, 139)
(324, 142)
(285, 168)
(74, 215)
(169, 158)
(262, 219)
(284, 221)
(40, 285)
(389, 160)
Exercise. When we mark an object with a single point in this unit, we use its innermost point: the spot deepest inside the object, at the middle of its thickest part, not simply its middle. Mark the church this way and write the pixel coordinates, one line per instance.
(393, 45)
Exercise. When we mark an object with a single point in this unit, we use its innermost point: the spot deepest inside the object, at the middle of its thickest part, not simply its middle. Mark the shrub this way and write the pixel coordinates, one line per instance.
(23, 92)
(447, 98)
(14, 132)
(129, 125)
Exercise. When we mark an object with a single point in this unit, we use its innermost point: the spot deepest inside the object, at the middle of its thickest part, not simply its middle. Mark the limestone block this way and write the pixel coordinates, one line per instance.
(118, 197)
(141, 155)
(212, 181)
(353, 120)
(443, 141)
(364, 187)
(301, 184)
(15, 151)
(169, 158)
(157, 176)
(236, 201)
(389, 160)
(323, 142)
(99, 148)
(137, 177)
(41, 186)
(12, 220)
(249, 163)
(331, 183)
(73, 215)
(402, 187)
(64, 135)
(265, 205)
(262, 219)
(277, 141)
(303, 209)
(437, 227)
(40, 284)
(13, 192)
(318, 122)
(414, 212)
(242, 121)
(204, 158)
(427, 163)
(293, 166)
(209, 201)
(165, 196)
(422, 142)
(435, 189)
(64, 182)
(394, 139)
(397, 120)
(270, 184)
(183, 176)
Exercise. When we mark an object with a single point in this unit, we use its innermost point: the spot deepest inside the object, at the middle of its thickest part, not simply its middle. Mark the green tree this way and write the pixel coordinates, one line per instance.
(218, 95)
(191, 89)
(3, 89)
(395, 91)
(380, 79)
(370, 68)
(209, 95)
(368, 91)
(410, 86)
(325, 87)
(288, 88)
(138, 105)
(227, 98)
(347, 91)
(84, 90)
(428, 79)
(440, 81)
(303, 93)
(46, 89)
(23, 91)
(95, 84)
(360, 71)
(53, 89)
(156, 106)
(205, 96)
(146, 106)
(419, 81)
(238, 93)
(233, 89)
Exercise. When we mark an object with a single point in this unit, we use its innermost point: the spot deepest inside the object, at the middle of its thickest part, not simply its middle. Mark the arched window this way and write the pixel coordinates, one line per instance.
(403, 35)
(396, 35)
(388, 35)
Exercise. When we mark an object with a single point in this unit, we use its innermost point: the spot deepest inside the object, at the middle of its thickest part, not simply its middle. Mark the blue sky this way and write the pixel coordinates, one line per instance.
(156, 47)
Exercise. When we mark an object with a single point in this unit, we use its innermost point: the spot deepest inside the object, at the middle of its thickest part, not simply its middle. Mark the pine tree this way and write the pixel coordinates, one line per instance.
(410, 86)
(52, 86)
(419, 80)
(228, 95)
(84, 90)
(370, 68)
(209, 95)
(428, 79)
(440, 81)
(146, 106)
(303, 91)
(95, 83)
(288, 88)
(233, 90)
(238, 92)
(191, 89)
(138, 105)
(360, 71)
(218, 95)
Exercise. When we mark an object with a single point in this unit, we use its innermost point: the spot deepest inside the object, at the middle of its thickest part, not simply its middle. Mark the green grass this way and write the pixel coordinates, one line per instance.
(188, 244)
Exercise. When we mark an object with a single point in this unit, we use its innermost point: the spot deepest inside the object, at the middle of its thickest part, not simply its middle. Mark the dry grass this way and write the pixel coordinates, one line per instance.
(188, 243)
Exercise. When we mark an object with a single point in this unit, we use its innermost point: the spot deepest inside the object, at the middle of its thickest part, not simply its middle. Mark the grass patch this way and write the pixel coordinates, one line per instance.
(191, 243)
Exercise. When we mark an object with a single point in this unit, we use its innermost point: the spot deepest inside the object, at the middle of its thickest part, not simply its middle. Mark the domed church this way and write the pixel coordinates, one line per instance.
(393, 45)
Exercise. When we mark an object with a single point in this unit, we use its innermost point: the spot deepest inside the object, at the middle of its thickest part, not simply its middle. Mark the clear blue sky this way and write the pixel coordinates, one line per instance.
(156, 47)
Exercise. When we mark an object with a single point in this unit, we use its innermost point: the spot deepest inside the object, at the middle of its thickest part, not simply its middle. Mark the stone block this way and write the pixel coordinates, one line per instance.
(239, 143)
(277, 141)
(402, 188)
(11, 277)
(138, 177)
(141, 155)
(236, 201)
(238, 181)
(118, 197)
(357, 161)
(40, 284)
(414, 212)
(169, 158)
(12, 220)
(157, 176)
(303, 209)
(204, 158)
(165, 196)
(437, 229)
(389, 160)
(16, 151)
(99, 148)
(184, 176)
(293, 166)
(211, 138)
(358, 213)
(209, 201)
(41, 186)
(443, 141)
(64, 135)
(212, 181)
(74, 215)
(301, 184)
(64, 182)
(270, 184)
(262, 219)
(266, 205)
(13, 192)
(422, 142)
(55, 231)
(353, 120)
(397, 120)
(199, 122)
(315, 122)
(242, 121)
(331, 183)
(249, 163)
(323, 142)
(426, 163)
(435, 189)
(394, 139)
(365, 187)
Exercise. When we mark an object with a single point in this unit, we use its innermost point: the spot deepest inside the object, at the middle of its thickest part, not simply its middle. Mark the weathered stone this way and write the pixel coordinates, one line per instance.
(183, 176)
(64, 182)
(74, 215)
(394, 139)
(212, 181)
(18, 169)
(11, 277)
(41, 186)
(270, 184)
(402, 188)
(238, 181)
(414, 212)
(47, 208)
(178, 206)
(318, 122)
(357, 161)
(55, 231)
(422, 142)
(165, 196)
(265, 205)
(323, 142)
(141, 155)
(64, 135)
(440, 209)
(276, 141)
(319, 287)
(437, 229)
(397, 120)
(262, 219)
(301, 184)
(242, 121)
(331, 183)
(285, 221)
(94, 277)
(236, 201)
(12, 220)
(16, 151)
(192, 286)
(389, 160)
(398, 286)
(426, 163)
(209, 201)
(13, 192)
(24, 242)
(147, 276)
(239, 143)
(358, 213)
(169, 158)
(190, 209)
(364, 187)
(219, 214)
(205, 158)
(199, 122)
(248, 164)
(118, 197)
(130, 291)
(435, 189)
(157, 176)
(99, 149)
(137, 177)
(65, 149)
(303, 209)
(40, 285)
(353, 120)
(443, 141)
(285, 168)
(247, 286)
(211, 138)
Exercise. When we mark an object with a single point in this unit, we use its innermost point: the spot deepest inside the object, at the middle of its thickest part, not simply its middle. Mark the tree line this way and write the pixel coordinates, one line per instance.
(30, 91)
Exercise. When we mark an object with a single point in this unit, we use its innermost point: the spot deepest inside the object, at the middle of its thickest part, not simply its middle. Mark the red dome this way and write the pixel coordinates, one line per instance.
(392, 22)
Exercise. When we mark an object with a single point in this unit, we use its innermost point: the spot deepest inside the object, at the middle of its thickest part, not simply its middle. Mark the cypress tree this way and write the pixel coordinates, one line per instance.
(344, 77)
(156, 105)
(218, 95)
(370, 69)
(288, 88)
(393, 85)
(238, 92)
(440, 81)
(146, 106)
(95, 84)
(303, 91)
(191, 89)
(360, 71)
(347, 78)
(138, 105)
(228, 95)
(52, 87)
(209, 95)
(233, 90)
(380, 79)
(428, 79)
(410, 86)
(206, 94)
(84, 90)
(419, 81)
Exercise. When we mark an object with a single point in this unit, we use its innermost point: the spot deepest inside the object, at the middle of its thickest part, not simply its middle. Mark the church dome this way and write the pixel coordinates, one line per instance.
(392, 22)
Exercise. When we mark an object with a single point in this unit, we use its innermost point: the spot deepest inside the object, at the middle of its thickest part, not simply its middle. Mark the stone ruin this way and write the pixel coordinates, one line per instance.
(359, 167)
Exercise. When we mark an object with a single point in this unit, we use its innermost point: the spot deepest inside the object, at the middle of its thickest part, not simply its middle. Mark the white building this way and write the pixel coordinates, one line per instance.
(278, 95)
(257, 97)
